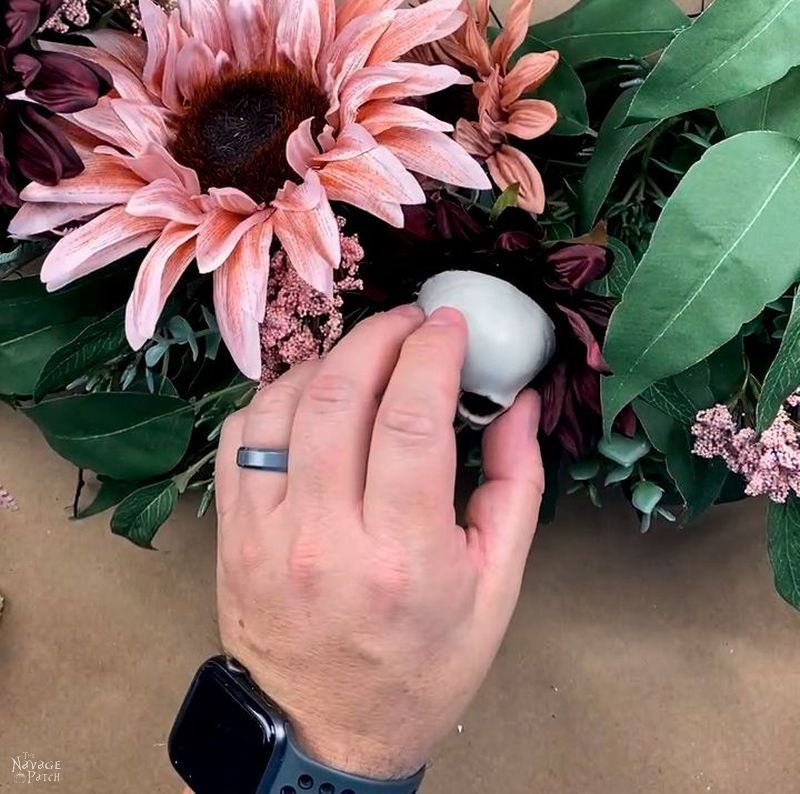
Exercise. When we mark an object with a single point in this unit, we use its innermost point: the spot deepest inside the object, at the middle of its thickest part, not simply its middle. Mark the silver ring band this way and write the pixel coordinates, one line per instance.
(263, 459)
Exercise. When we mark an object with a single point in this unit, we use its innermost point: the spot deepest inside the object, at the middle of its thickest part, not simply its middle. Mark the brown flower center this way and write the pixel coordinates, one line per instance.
(235, 131)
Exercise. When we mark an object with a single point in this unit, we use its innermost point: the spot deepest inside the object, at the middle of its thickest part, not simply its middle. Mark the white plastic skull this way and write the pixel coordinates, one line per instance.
(511, 339)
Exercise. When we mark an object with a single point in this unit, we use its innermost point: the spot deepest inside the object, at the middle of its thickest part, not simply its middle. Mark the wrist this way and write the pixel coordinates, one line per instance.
(356, 753)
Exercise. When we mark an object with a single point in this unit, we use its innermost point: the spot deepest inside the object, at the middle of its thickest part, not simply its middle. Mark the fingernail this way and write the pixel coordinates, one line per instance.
(410, 310)
(445, 316)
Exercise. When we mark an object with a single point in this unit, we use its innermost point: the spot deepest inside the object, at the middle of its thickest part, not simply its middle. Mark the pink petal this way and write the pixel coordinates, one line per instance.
(310, 234)
(375, 181)
(434, 154)
(247, 22)
(417, 79)
(509, 166)
(156, 163)
(357, 91)
(146, 123)
(158, 275)
(34, 219)
(195, 67)
(101, 241)
(350, 9)
(240, 296)
(528, 74)
(102, 122)
(206, 22)
(301, 148)
(164, 198)
(103, 181)
(130, 51)
(531, 118)
(514, 32)
(299, 33)
(218, 235)
(154, 21)
(176, 41)
(233, 200)
(352, 47)
(327, 18)
(412, 27)
(376, 117)
(468, 134)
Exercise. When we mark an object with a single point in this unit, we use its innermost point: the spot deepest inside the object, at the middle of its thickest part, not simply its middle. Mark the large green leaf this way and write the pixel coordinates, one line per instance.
(122, 435)
(612, 148)
(564, 89)
(110, 494)
(670, 400)
(772, 108)
(612, 29)
(783, 543)
(25, 304)
(719, 254)
(22, 356)
(699, 481)
(100, 342)
(141, 514)
(784, 373)
(733, 49)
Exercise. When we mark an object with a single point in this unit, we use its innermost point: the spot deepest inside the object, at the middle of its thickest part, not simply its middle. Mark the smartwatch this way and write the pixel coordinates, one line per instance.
(230, 738)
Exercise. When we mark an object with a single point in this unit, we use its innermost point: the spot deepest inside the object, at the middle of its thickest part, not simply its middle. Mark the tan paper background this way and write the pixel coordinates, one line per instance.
(662, 664)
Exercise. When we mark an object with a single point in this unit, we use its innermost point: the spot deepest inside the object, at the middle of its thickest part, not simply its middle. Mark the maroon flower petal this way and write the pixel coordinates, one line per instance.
(455, 223)
(516, 241)
(62, 83)
(553, 392)
(23, 17)
(43, 154)
(594, 355)
(626, 423)
(8, 195)
(579, 265)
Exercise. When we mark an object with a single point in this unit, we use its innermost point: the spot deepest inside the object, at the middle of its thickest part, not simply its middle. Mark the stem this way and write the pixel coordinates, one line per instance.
(183, 480)
(242, 387)
(78, 492)
(495, 17)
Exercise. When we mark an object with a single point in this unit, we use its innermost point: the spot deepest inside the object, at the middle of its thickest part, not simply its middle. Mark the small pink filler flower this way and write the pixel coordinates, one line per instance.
(238, 121)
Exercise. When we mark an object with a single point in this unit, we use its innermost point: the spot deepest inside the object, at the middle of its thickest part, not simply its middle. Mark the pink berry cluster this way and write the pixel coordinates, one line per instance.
(301, 323)
(70, 15)
(770, 463)
(7, 501)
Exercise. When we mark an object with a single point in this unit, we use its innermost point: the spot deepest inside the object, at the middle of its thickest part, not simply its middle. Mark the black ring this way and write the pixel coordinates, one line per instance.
(276, 460)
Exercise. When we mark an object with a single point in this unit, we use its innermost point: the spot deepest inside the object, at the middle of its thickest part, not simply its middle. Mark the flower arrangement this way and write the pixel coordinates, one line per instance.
(196, 195)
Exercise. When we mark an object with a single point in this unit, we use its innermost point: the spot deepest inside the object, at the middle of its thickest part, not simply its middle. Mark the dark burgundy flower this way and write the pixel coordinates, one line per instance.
(443, 235)
(32, 146)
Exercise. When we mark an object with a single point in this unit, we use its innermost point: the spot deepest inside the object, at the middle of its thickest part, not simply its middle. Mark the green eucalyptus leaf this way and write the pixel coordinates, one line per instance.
(698, 481)
(140, 515)
(583, 470)
(771, 108)
(612, 29)
(13, 260)
(124, 435)
(611, 150)
(666, 514)
(110, 494)
(564, 89)
(783, 544)
(733, 49)
(97, 344)
(783, 376)
(705, 273)
(24, 356)
(508, 198)
(155, 353)
(646, 496)
(622, 450)
(618, 474)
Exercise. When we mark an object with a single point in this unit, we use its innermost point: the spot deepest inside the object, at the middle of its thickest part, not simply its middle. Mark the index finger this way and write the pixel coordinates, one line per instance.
(412, 460)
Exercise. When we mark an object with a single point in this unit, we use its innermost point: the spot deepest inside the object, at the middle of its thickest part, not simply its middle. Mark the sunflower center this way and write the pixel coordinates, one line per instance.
(235, 131)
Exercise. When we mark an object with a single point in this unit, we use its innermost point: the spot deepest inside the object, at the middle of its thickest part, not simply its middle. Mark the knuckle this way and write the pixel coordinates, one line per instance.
(410, 424)
(246, 555)
(329, 392)
(274, 400)
(390, 579)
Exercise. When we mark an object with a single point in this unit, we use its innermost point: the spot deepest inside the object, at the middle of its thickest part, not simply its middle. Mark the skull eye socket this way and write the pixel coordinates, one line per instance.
(479, 406)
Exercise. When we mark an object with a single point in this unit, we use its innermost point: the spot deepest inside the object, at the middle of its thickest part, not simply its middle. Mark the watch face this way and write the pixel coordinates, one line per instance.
(222, 740)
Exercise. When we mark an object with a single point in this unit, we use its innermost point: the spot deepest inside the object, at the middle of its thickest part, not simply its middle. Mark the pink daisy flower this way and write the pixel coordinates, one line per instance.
(239, 121)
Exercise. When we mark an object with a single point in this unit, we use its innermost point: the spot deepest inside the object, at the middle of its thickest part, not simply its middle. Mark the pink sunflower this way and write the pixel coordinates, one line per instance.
(237, 122)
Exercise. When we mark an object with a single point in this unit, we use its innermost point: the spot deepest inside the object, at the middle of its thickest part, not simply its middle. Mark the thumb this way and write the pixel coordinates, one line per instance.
(504, 510)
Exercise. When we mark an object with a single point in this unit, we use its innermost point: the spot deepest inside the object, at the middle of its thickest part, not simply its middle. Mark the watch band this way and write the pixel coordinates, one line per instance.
(299, 774)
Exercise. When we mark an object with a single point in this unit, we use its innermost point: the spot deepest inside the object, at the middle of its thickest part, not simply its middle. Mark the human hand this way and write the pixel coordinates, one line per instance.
(346, 588)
